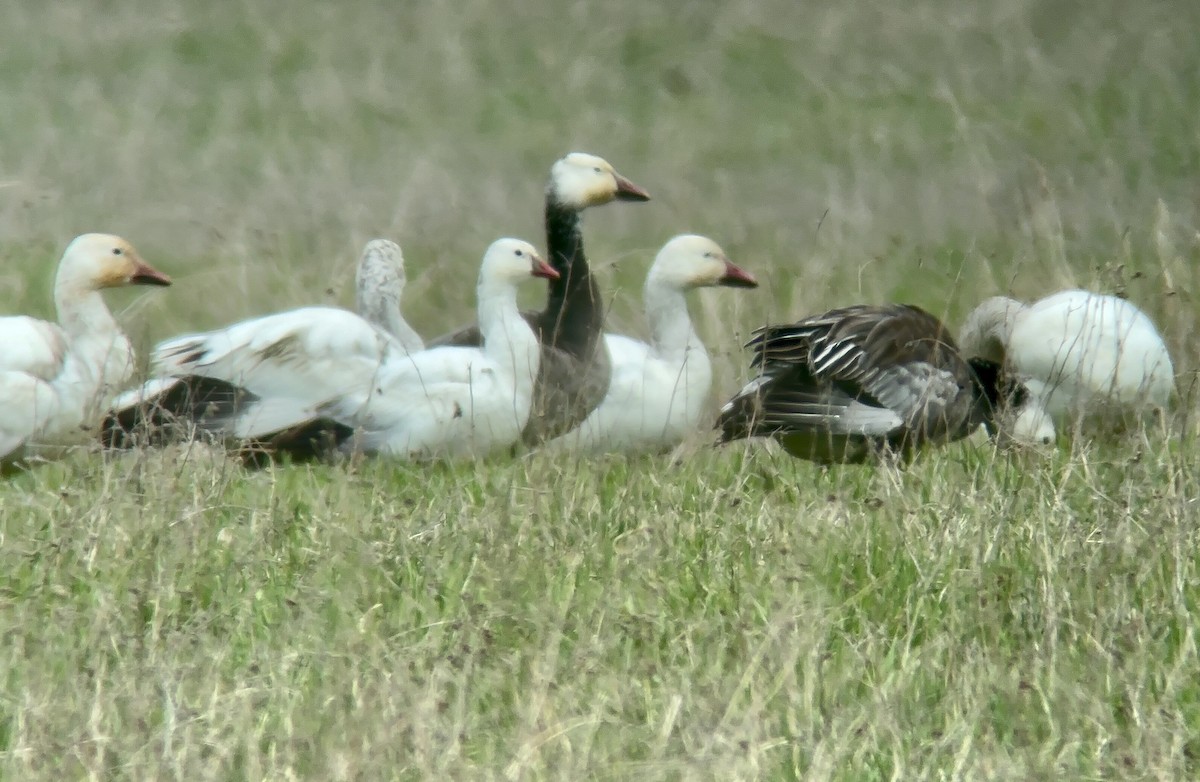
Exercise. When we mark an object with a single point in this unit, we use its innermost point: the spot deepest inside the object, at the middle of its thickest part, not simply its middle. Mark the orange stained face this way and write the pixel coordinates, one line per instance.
(121, 265)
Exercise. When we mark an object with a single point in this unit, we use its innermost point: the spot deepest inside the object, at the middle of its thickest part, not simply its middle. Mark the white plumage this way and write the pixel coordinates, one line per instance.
(303, 356)
(1082, 354)
(657, 390)
(33, 346)
(456, 401)
(55, 377)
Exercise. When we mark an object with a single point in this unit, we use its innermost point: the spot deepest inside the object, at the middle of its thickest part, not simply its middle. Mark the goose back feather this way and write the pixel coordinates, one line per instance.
(1085, 355)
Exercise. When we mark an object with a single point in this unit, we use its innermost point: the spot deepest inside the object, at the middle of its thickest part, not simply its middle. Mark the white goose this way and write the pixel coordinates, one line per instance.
(456, 401)
(1082, 354)
(217, 381)
(657, 391)
(55, 377)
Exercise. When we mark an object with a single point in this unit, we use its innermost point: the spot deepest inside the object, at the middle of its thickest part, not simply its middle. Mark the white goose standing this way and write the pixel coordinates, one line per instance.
(243, 380)
(657, 391)
(457, 401)
(1082, 354)
(55, 377)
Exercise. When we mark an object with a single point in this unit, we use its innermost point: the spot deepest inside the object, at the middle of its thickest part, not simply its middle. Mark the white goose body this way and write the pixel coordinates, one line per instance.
(1082, 354)
(34, 346)
(276, 365)
(456, 401)
(37, 411)
(657, 391)
(55, 377)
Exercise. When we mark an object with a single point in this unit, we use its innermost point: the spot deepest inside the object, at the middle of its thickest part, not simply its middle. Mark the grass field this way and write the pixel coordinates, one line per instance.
(725, 614)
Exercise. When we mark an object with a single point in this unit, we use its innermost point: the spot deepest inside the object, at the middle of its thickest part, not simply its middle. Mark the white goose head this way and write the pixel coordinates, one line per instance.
(511, 262)
(93, 262)
(580, 180)
(691, 261)
(1027, 423)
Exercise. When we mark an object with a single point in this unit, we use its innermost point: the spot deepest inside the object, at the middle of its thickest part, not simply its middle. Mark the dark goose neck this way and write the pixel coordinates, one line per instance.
(992, 391)
(574, 314)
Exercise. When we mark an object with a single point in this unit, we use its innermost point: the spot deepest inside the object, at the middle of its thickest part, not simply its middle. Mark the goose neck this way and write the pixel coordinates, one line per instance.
(992, 389)
(574, 314)
(508, 340)
(82, 312)
(497, 303)
(382, 309)
(405, 334)
(564, 237)
(671, 328)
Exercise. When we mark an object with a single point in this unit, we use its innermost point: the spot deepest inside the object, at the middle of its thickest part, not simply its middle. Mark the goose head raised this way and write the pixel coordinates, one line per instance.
(513, 261)
(93, 262)
(382, 259)
(380, 273)
(691, 261)
(580, 180)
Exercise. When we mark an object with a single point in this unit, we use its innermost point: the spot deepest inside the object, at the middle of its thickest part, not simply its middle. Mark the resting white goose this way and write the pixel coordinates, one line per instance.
(55, 377)
(853, 382)
(574, 370)
(1082, 354)
(243, 380)
(657, 391)
(457, 401)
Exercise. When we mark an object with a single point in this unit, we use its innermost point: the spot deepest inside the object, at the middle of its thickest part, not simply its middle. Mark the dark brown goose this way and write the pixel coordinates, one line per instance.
(574, 370)
(844, 386)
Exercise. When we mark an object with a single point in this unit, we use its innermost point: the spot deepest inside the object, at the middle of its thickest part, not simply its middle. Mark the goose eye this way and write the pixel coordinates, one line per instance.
(597, 170)
(116, 251)
(520, 253)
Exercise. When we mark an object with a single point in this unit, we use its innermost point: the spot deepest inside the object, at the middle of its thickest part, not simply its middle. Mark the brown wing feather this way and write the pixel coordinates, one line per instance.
(843, 343)
(898, 356)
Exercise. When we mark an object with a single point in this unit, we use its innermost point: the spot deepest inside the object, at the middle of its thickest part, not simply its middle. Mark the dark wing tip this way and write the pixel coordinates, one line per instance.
(175, 415)
(312, 440)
